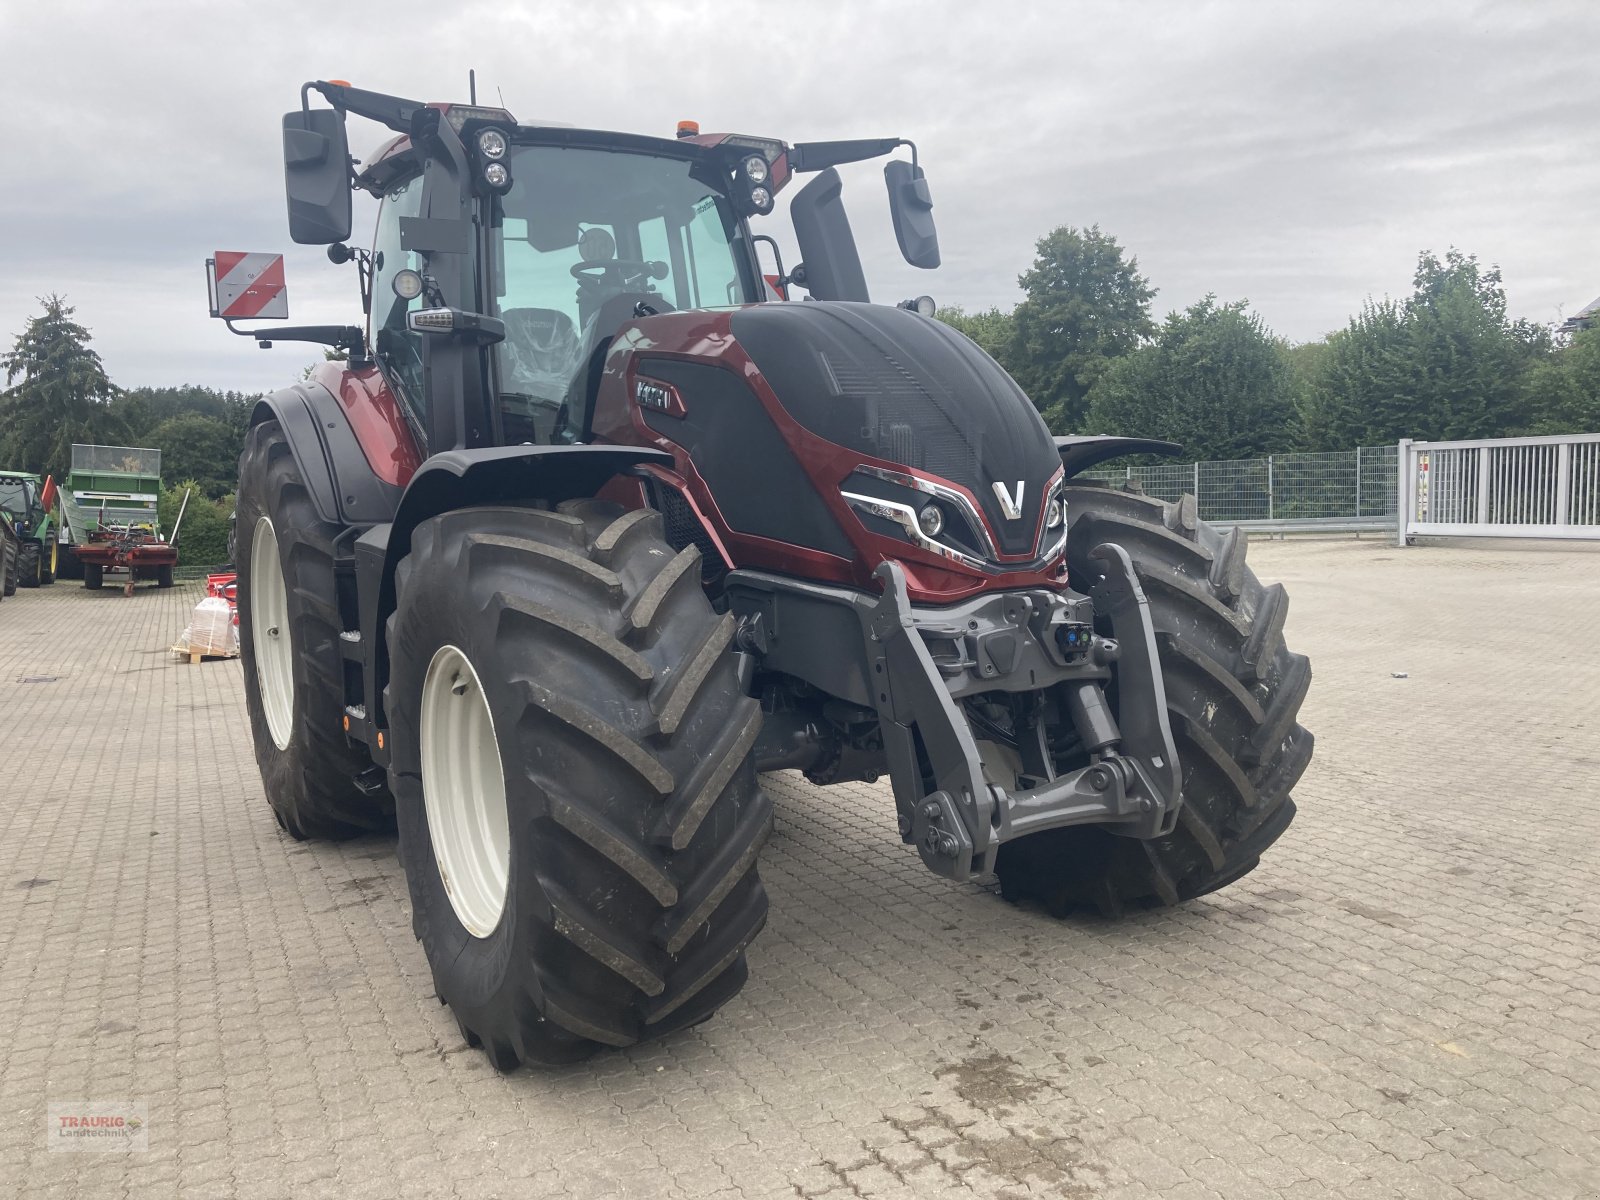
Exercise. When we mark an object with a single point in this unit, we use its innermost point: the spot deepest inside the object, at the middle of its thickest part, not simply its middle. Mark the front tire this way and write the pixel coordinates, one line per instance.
(602, 868)
(1233, 695)
(293, 671)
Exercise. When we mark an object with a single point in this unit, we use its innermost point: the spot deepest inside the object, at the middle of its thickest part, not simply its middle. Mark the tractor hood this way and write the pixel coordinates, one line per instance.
(905, 389)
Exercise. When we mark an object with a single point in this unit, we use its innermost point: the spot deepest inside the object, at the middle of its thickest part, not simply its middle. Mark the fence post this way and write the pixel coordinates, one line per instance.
(1483, 485)
(1563, 482)
(1197, 486)
(1408, 489)
(1270, 505)
(1358, 482)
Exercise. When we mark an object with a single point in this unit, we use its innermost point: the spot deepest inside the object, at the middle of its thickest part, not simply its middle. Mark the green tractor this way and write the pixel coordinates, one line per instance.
(30, 503)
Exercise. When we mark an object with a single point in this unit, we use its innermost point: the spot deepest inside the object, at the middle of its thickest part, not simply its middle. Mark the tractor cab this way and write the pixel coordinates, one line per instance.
(508, 256)
(19, 499)
(580, 239)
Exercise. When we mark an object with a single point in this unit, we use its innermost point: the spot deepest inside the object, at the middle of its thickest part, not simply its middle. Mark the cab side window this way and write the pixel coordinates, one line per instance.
(398, 350)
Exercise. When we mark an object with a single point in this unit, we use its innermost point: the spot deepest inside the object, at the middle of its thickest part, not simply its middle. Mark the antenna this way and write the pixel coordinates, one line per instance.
(472, 88)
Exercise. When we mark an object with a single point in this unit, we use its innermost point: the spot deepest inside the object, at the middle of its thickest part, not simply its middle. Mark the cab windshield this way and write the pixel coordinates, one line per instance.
(582, 240)
(14, 497)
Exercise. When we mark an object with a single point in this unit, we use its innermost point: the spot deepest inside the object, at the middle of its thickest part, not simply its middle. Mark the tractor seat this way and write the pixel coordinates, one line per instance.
(539, 355)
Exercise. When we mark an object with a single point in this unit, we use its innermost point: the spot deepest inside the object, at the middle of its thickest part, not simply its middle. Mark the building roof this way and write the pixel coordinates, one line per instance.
(1586, 316)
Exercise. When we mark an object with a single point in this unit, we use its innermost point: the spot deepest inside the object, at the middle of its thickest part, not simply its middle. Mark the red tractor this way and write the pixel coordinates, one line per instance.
(590, 528)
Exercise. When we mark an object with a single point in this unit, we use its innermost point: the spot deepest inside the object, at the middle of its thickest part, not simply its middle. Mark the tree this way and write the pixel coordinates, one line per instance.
(57, 393)
(991, 329)
(1086, 305)
(1215, 379)
(1468, 357)
(1562, 394)
(203, 536)
(199, 448)
(145, 408)
(1364, 385)
(1447, 363)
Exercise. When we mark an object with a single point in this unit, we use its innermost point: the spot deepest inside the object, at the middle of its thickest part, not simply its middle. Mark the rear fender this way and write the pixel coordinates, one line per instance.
(342, 484)
(454, 479)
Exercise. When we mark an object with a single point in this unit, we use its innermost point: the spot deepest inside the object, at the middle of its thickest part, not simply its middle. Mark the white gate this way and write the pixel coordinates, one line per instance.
(1539, 487)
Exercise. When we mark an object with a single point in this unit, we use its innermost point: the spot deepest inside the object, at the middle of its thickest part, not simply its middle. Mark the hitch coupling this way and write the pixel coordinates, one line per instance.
(957, 817)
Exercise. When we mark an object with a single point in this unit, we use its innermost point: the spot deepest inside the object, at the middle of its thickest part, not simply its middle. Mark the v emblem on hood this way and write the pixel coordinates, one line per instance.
(1012, 507)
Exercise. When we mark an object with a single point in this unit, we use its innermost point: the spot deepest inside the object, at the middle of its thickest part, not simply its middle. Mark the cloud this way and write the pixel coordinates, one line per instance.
(1298, 155)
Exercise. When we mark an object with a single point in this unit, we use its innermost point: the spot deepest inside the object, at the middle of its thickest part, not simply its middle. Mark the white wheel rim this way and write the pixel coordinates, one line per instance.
(464, 792)
(269, 630)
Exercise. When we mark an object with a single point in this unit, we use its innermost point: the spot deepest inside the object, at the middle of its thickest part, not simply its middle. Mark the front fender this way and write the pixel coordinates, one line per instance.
(338, 477)
(509, 474)
(462, 478)
(1080, 452)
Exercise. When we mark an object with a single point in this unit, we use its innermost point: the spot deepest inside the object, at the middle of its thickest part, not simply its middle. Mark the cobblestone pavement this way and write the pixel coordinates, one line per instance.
(1404, 1000)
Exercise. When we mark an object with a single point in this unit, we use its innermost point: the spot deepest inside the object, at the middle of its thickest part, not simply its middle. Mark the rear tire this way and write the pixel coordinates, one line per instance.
(1233, 695)
(310, 779)
(8, 565)
(28, 569)
(94, 576)
(630, 809)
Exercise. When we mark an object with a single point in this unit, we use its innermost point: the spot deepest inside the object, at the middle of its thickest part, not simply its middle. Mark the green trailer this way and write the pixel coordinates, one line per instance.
(30, 505)
(111, 522)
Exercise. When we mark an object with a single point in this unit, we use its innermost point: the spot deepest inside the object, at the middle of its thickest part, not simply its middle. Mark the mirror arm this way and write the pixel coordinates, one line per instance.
(392, 111)
(823, 155)
(348, 338)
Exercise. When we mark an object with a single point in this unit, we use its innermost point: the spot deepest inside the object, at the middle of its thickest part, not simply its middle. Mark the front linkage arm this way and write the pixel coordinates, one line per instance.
(957, 825)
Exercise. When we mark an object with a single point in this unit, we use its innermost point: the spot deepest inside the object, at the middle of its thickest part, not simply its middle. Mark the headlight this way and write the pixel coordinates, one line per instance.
(1058, 513)
(761, 199)
(931, 520)
(496, 175)
(492, 144)
(755, 168)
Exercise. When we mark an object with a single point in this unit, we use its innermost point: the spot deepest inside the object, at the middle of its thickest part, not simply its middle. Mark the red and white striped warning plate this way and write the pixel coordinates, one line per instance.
(250, 285)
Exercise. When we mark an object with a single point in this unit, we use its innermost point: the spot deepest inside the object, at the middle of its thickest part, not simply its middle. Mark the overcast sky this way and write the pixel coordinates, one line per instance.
(1295, 154)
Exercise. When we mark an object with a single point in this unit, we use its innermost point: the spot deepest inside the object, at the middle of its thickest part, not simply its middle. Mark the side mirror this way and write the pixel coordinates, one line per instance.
(911, 205)
(832, 263)
(316, 176)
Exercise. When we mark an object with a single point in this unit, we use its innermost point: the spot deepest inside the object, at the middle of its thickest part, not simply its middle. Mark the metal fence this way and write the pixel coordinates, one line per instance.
(1341, 491)
(1543, 487)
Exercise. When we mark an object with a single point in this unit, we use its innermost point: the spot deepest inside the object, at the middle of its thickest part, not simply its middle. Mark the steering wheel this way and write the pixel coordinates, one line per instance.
(617, 271)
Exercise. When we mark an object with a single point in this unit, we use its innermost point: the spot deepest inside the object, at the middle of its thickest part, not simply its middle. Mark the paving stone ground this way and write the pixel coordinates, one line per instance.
(1403, 1001)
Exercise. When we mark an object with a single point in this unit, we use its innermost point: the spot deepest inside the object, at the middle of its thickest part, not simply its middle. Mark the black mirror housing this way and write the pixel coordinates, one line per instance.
(911, 206)
(316, 176)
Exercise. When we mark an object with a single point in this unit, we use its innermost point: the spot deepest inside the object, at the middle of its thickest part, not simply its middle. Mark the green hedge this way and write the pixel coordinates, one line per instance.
(203, 538)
